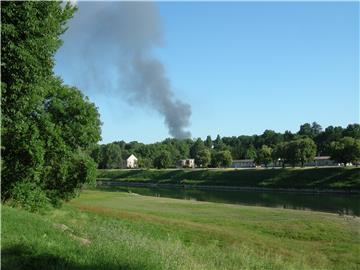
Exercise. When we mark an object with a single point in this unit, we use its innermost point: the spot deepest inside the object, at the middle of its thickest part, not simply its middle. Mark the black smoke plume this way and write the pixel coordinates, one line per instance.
(122, 36)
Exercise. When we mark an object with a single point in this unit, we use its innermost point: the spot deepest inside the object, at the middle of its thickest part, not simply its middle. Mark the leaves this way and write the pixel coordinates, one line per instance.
(346, 150)
(48, 128)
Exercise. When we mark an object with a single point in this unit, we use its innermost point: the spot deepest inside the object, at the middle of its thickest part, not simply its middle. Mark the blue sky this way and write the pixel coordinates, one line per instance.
(243, 67)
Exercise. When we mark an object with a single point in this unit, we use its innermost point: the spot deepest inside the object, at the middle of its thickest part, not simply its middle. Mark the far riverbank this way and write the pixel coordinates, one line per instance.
(309, 180)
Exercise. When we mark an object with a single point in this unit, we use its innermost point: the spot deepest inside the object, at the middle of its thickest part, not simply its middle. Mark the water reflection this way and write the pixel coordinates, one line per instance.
(336, 203)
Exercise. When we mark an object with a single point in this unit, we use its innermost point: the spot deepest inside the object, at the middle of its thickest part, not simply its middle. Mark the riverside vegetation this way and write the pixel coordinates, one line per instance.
(47, 127)
(49, 131)
(113, 230)
(308, 178)
(288, 149)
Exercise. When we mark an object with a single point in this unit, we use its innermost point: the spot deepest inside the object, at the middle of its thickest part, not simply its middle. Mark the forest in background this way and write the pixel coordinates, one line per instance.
(342, 144)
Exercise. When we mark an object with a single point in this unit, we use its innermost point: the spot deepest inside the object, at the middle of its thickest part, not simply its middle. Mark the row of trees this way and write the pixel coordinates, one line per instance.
(342, 144)
(110, 156)
(48, 129)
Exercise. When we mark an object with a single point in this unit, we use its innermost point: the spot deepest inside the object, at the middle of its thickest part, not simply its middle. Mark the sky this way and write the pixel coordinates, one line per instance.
(227, 68)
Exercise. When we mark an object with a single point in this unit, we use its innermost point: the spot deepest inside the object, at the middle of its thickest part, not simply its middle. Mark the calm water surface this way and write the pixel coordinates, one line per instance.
(348, 204)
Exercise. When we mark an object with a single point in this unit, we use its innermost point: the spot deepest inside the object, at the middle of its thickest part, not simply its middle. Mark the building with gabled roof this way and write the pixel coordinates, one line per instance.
(131, 162)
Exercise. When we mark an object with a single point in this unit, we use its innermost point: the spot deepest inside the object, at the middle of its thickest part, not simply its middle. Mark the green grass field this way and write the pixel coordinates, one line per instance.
(113, 230)
(309, 178)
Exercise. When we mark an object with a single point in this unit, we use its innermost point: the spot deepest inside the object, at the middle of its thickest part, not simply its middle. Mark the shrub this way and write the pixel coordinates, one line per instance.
(29, 196)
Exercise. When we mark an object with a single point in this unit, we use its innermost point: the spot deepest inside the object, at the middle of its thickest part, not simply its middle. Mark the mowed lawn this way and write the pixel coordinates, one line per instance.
(114, 230)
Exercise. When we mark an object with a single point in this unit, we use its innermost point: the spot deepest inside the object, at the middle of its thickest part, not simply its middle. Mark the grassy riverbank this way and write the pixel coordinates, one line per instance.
(113, 230)
(309, 178)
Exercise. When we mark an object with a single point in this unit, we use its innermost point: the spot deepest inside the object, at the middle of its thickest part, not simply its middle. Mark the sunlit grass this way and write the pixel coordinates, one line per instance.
(129, 231)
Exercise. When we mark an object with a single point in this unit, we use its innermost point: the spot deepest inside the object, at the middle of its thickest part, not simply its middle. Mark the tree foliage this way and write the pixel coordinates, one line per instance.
(280, 153)
(264, 155)
(196, 148)
(162, 160)
(111, 156)
(295, 152)
(346, 150)
(221, 159)
(219, 144)
(310, 131)
(353, 131)
(304, 150)
(250, 152)
(287, 148)
(208, 142)
(203, 158)
(48, 128)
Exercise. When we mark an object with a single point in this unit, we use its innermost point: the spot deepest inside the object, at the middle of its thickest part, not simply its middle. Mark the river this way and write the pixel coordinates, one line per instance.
(348, 204)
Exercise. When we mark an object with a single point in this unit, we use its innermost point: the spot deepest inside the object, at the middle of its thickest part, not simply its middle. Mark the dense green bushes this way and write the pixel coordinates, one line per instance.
(29, 196)
(48, 128)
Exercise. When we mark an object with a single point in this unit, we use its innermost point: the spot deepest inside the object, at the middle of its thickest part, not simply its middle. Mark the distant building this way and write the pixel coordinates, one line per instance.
(321, 161)
(131, 162)
(243, 163)
(187, 163)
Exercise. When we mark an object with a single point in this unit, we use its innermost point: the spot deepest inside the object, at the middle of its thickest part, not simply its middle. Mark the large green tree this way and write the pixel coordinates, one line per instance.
(264, 155)
(310, 130)
(48, 128)
(219, 145)
(271, 138)
(197, 146)
(296, 151)
(346, 150)
(353, 131)
(203, 158)
(111, 157)
(208, 142)
(305, 150)
(162, 160)
(221, 159)
(324, 139)
(250, 152)
(280, 153)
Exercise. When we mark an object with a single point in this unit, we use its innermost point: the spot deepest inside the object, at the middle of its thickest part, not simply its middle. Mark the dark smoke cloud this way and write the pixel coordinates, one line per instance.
(122, 35)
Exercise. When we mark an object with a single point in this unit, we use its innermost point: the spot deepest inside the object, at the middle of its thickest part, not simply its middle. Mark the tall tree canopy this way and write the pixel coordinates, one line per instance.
(264, 155)
(203, 158)
(305, 150)
(48, 128)
(346, 150)
(287, 148)
(221, 159)
(196, 148)
(162, 160)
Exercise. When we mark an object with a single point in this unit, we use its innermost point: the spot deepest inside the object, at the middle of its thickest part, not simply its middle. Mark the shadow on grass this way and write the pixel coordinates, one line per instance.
(24, 257)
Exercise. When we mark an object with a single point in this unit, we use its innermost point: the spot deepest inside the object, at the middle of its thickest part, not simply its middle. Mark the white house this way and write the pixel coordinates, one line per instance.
(243, 163)
(321, 161)
(189, 163)
(131, 162)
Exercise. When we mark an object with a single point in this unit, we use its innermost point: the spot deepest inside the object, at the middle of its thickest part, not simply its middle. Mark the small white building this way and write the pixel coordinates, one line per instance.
(321, 161)
(131, 162)
(243, 163)
(187, 163)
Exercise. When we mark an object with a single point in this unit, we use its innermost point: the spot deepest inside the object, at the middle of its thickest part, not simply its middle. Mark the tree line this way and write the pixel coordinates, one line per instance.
(292, 149)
